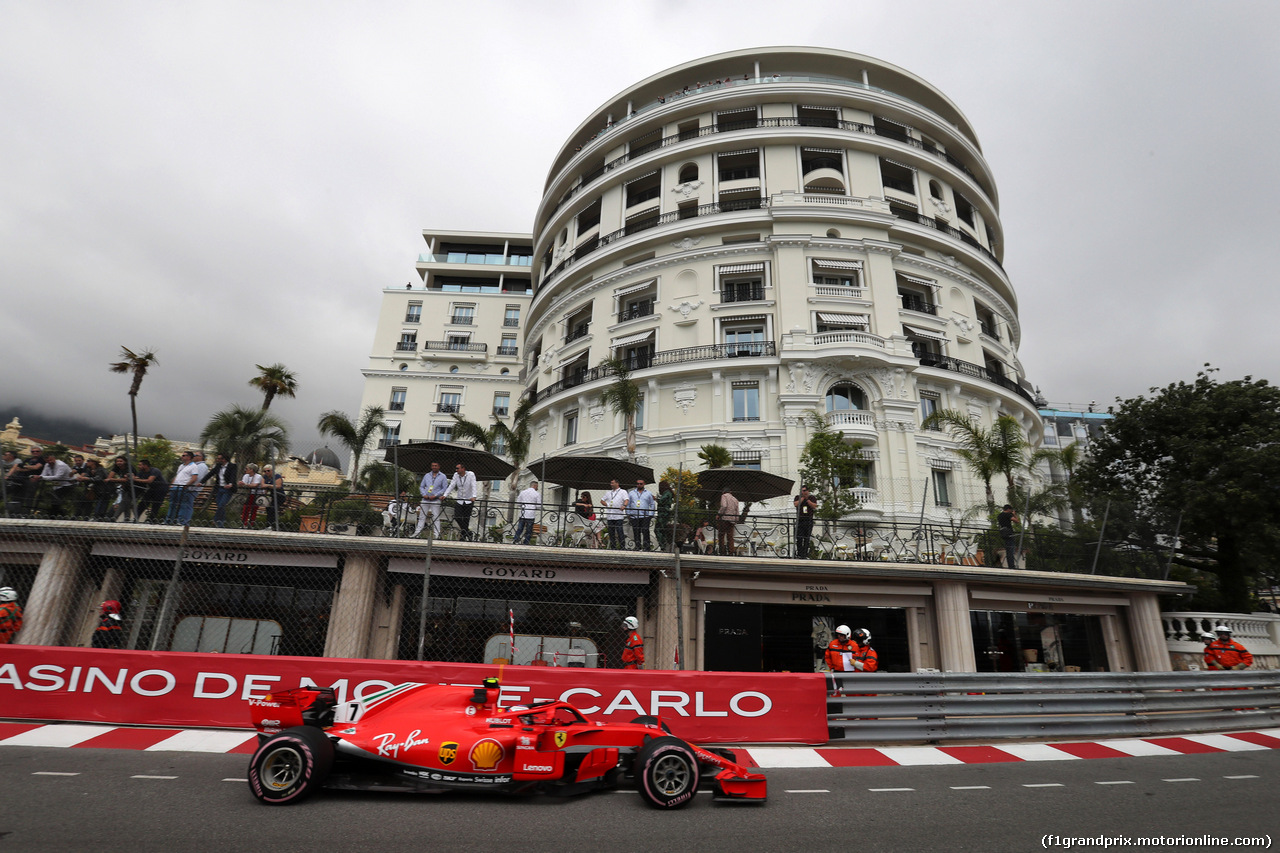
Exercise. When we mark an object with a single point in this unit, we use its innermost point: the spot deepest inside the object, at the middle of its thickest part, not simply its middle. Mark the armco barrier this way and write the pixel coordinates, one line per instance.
(893, 707)
(184, 689)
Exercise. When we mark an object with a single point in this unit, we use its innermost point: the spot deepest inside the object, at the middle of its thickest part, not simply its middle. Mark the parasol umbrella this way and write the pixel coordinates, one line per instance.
(746, 484)
(589, 472)
(418, 456)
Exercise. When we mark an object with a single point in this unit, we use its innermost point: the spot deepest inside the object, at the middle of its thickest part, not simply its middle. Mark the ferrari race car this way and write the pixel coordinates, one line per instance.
(425, 737)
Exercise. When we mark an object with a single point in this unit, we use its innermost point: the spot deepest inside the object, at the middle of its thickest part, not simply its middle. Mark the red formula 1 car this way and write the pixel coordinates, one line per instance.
(423, 737)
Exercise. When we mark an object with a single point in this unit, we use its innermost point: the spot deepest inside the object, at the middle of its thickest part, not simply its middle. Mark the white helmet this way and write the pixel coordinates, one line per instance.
(843, 631)
(1205, 635)
(8, 593)
(1222, 629)
(862, 636)
(631, 623)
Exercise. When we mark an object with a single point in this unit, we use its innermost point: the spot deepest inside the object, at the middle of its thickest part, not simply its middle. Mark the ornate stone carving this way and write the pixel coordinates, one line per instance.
(481, 367)
(746, 443)
(685, 308)
(941, 208)
(687, 189)
(963, 323)
(596, 414)
(685, 396)
(796, 369)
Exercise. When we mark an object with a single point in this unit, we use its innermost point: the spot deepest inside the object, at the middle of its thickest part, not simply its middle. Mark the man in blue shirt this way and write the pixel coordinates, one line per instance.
(641, 507)
(432, 488)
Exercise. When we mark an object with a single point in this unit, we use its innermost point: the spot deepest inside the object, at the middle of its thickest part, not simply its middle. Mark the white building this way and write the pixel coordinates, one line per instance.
(763, 233)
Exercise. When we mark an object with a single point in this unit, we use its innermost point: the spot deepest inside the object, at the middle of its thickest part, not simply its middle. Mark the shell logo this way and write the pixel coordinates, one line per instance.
(486, 754)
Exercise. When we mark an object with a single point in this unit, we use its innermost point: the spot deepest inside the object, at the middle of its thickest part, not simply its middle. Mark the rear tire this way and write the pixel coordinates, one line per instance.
(667, 773)
(290, 765)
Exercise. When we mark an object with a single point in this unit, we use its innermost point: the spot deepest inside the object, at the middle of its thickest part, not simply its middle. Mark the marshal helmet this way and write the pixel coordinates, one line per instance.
(631, 623)
(8, 593)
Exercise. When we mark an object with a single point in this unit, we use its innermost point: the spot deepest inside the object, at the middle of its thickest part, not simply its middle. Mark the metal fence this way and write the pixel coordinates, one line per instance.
(767, 532)
(943, 707)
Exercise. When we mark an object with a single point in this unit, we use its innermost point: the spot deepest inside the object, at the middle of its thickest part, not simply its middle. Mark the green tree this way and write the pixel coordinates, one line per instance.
(1208, 453)
(623, 397)
(354, 435)
(715, 456)
(137, 364)
(246, 435)
(1066, 460)
(160, 453)
(275, 380)
(977, 445)
(831, 468)
(378, 476)
(502, 439)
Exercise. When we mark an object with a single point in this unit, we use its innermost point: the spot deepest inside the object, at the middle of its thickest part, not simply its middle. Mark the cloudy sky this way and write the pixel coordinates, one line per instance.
(234, 183)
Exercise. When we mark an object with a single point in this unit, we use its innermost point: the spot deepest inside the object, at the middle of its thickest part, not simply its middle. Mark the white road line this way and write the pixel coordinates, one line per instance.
(52, 773)
(1230, 744)
(57, 735)
(971, 787)
(195, 740)
(1121, 782)
(917, 756)
(1045, 785)
(235, 780)
(889, 790)
(783, 757)
(153, 777)
(808, 791)
(1246, 776)
(1133, 746)
(1188, 779)
(1037, 752)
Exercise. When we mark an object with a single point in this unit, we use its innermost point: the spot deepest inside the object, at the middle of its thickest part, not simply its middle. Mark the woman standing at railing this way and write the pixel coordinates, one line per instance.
(252, 481)
(585, 509)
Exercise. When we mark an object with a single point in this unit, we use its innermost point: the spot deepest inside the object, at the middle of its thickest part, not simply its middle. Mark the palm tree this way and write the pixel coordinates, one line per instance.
(246, 434)
(274, 380)
(1009, 449)
(715, 456)
(623, 396)
(353, 435)
(1066, 459)
(976, 445)
(136, 363)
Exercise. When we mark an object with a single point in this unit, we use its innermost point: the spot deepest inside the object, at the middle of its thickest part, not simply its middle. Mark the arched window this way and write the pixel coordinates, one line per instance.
(688, 173)
(935, 189)
(845, 398)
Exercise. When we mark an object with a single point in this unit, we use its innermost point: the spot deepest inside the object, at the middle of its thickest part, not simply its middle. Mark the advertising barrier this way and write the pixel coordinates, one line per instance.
(180, 689)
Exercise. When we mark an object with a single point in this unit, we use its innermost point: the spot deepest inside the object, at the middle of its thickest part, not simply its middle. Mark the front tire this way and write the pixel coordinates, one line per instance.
(667, 773)
(290, 765)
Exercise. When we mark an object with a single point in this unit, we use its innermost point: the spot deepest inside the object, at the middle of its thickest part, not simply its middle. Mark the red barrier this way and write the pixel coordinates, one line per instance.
(183, 689)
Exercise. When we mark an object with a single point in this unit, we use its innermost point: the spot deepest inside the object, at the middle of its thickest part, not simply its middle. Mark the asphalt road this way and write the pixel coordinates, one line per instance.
(116, 800)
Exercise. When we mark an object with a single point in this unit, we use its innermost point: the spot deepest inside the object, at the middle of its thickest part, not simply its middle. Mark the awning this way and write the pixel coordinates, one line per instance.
(635, 288)
(844, 319)
(642, 177)
(925, 333)
(941, 464)
(743, 151)
(824, 264)
(632, 339)
(744, 317)
(806, 149)
(896, 163)
(737, 268)
(923, 282)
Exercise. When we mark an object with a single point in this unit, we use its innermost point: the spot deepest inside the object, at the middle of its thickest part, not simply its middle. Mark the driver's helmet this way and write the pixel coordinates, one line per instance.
(862, 636)
(842, 631)
(8, 593)
(631, 623)
(111, 607)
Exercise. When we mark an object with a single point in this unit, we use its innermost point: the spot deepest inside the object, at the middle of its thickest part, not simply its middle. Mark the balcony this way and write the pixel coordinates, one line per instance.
(868, 499)
(395, 406)
(407, 346)
(500, 411)
(508, 350)
(954, 233)
(454, 346)
(849, 336)
(710, 352)
(915, 303)
(636, 311)
(838, 291)
(413, 317)
(384, 443)
(946, 362)
(742, 292)
(448, 408)
(854, 425)
(462, 319)
(511, 322)
(578, 333)
(476, 258)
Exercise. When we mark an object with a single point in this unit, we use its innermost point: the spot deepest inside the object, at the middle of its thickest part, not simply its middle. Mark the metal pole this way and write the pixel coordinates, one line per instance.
(1173, 546)
(170, 594)
(1026, 519)
(426, 588)
(4, 484)
(1096, 551)
(679, 580)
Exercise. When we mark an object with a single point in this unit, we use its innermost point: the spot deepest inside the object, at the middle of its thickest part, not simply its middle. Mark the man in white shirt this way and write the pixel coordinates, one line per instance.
(464, 483)
(182, 490)
(432, 489)
(614, 503)
(58, 476)
(529, 502)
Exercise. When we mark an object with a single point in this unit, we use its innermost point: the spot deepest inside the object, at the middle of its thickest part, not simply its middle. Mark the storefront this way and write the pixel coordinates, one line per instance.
(1035, 631)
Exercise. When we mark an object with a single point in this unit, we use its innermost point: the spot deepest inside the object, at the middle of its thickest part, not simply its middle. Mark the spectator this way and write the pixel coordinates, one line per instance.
(24, 480)
(614, 502)
(8, 479)
(464, 484)
(705, 537)
(151, 485)
(805, 505)
(640, 509)
(727, 522)
(94, 491)
(529, 501)
(223, 474)
(110, 632)
(252, 483)
(432, 488)
(273, 491)
(57, 474)
(182, 491)
(395, 518)
(666, 506)
(586, 510)
(119, 482)
(1005, 522)
(200, 463)
(10, 614)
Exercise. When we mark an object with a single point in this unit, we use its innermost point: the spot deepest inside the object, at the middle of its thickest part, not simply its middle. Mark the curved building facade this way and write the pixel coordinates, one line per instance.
(766, 233)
